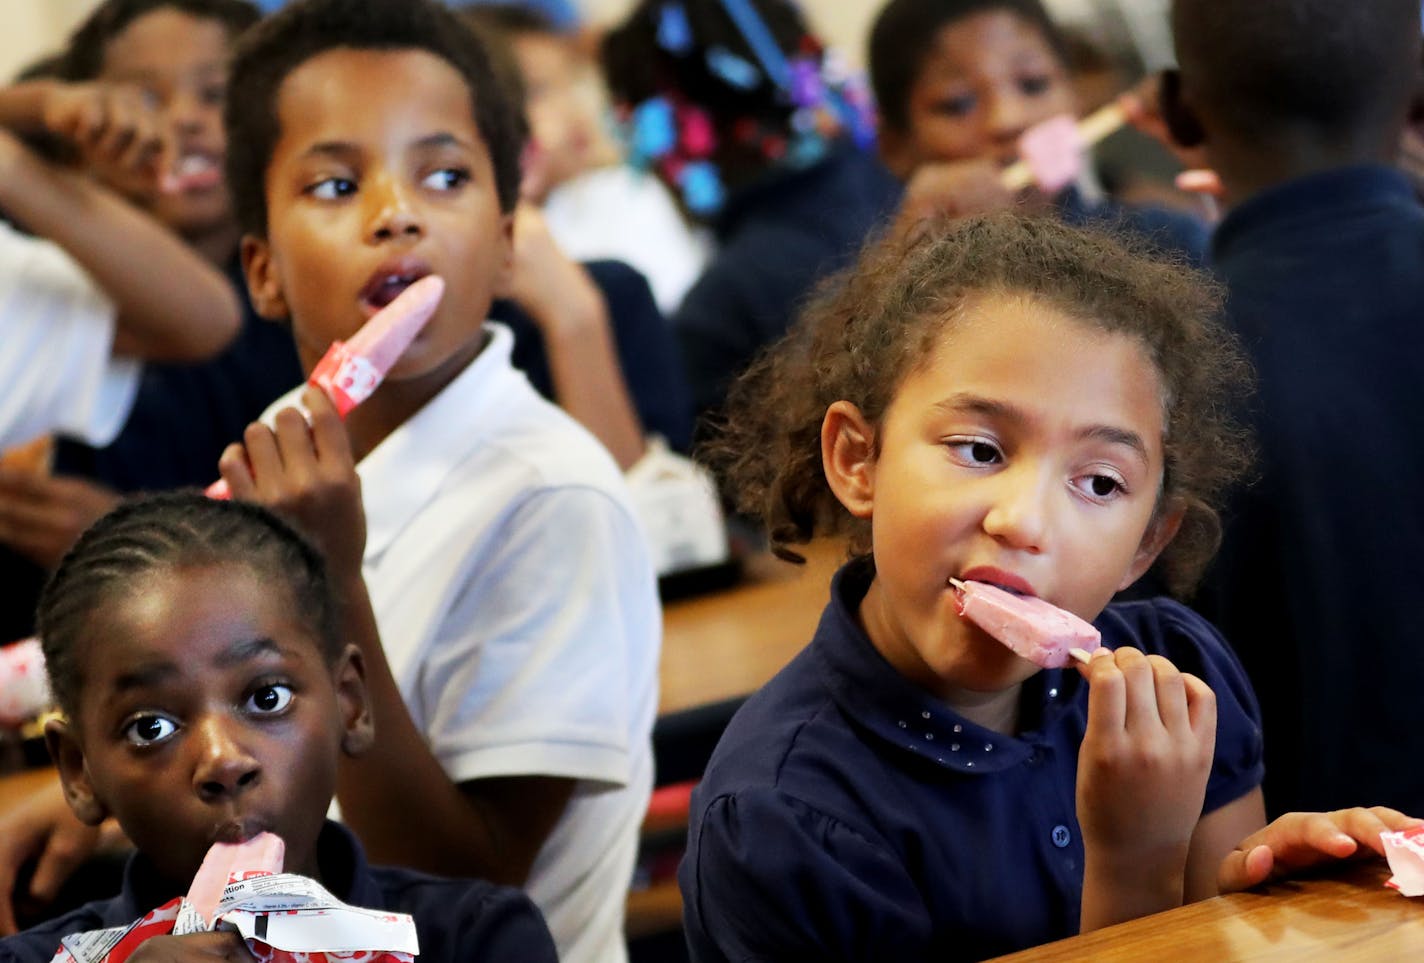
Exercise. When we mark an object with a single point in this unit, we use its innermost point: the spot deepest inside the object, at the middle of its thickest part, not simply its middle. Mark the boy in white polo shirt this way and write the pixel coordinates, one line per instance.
(515, 674)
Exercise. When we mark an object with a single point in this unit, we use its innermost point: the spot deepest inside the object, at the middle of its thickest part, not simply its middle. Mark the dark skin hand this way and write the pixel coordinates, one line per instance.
(224, 945)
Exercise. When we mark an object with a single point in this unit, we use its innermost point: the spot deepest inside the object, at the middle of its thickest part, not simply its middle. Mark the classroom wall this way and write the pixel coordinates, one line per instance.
(29, 29)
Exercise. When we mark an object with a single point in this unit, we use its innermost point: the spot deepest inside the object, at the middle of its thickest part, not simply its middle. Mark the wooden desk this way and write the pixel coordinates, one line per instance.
(730, 643)
(1347, 915)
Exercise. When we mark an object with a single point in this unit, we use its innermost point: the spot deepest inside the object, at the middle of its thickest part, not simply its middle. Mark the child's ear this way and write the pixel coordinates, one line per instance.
(504, 282)
(68, 756)
(358, 728)
(1182, 121)
(848, 457)
(1160, 532)
(264, 280)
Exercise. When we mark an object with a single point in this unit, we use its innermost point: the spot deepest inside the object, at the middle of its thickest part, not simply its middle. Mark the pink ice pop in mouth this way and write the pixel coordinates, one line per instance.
(1033, 629)
(351, 371)
(263, 853)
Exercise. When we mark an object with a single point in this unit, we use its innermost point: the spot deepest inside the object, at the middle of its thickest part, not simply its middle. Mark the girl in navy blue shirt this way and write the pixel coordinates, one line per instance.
(1017, 402)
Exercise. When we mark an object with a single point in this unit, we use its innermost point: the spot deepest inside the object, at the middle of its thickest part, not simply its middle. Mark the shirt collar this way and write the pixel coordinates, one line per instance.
(1309, 199)
(877, 697)
(409, 465)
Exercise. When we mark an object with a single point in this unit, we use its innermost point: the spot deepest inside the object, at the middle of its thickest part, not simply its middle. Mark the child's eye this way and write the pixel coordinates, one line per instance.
(331, 188)
(1100, 486)
(269, 699)
(1036, 85)
(446, 178)
(213, 95)
(960, 106)
(975, 452)
(149, 730)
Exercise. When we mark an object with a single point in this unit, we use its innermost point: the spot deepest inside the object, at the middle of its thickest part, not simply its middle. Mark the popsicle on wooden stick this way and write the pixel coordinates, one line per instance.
(1034, 629)
(1051, 152)
(263, 853)
(350, 371)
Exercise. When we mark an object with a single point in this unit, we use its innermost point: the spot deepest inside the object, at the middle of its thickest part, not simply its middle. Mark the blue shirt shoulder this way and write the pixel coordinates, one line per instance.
(849, 815)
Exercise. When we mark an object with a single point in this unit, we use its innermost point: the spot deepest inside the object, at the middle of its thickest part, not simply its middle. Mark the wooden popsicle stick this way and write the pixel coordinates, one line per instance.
(1081, 655)
(1091, 129)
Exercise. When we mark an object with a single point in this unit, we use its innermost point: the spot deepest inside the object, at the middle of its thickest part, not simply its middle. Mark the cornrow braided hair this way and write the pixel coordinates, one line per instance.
(171, 531)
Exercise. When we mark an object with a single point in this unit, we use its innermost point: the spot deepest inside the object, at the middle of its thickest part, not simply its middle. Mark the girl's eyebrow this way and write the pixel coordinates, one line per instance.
(245, 651)
(150, 674)
(990, 408)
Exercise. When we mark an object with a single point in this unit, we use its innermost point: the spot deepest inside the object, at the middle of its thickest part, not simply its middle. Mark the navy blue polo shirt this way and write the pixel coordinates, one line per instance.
(1325, 285)
(454, 919)
(847, 814)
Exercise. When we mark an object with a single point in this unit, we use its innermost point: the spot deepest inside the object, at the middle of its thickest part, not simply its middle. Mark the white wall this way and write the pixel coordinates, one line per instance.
(29, 29)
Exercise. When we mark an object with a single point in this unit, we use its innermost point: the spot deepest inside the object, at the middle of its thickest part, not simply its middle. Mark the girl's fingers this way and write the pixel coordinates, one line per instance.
(1141, 688)
(1107, 694)
(294, 443)
(264, 459)
(1171, 693)
(1244, 868)
(333, 444)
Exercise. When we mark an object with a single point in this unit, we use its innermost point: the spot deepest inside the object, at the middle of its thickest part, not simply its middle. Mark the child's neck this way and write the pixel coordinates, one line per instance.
(996, 711)
(1246, 169)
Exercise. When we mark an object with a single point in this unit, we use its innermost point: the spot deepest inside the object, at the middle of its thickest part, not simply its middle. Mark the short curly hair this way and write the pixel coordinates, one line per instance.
(869, 328)
(268, 53)
(172, 531)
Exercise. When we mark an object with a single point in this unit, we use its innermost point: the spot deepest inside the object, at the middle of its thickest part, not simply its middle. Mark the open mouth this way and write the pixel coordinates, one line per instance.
(385, 287)
(998, 578)
(193, 171)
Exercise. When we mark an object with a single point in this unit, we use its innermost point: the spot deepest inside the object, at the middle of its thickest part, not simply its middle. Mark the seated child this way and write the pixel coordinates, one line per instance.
(762, 134)
(192, 645)
(514, 595)
(173, 54)
(957, 83)
(1016, 402)
(598, 207)
(89, 281)
(1298, 108)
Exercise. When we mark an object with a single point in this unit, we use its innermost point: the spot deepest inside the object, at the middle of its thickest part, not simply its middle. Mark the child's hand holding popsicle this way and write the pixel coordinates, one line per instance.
(1297, 841)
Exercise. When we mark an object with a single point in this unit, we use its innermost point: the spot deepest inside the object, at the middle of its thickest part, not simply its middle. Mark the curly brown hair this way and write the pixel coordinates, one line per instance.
(867, 329)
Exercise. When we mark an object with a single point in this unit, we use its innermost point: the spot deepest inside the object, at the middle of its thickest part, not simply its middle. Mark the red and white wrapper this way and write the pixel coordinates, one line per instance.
(24, 684)
(1405, 852)
(285, 918)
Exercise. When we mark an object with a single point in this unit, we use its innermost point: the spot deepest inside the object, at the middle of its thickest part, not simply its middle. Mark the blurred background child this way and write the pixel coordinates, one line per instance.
(1298, 105)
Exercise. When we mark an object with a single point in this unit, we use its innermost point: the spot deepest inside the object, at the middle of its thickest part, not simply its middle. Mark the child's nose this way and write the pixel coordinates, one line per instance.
(1018, 515)
(1007, 117)
(394, 213)
(224, 767)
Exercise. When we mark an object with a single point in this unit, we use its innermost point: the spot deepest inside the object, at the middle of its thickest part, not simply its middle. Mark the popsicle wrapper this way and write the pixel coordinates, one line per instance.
(24, 685)
(285, 918)
(1405, 852)
(347, 378)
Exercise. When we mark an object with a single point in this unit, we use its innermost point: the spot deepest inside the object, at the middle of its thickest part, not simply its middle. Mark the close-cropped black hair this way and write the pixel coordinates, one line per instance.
(510, 19)
(164, 532)
(905, 32)
(89, 44)
(269, 53)
(1339, 69)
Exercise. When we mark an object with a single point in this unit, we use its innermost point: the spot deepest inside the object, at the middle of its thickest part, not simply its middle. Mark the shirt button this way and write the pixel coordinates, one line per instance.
(1061, 836)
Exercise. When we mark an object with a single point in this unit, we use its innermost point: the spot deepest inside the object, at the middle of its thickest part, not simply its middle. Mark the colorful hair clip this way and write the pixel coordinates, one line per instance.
(699, 138)
(674, 32)
(759, 38)
(653, 130)
(702, 189)
(736, 71)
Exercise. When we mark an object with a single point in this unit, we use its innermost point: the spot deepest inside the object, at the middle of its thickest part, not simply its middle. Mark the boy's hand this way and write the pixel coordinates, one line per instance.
(554, 290)
(307, 473)
(41, 516)
(1143, 765)
(1298, 841)
(115, 126)
(217, 945)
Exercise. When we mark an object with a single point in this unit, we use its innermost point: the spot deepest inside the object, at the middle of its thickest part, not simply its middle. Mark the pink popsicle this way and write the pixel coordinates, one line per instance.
(1034, 629)
(351, 370)
(262, 853)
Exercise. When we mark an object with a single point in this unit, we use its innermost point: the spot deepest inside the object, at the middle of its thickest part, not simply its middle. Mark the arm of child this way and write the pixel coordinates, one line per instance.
(1298, 841)
(42, 515)
(572, 316)
(490, 828)
(1148, 749)
(171, 304)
